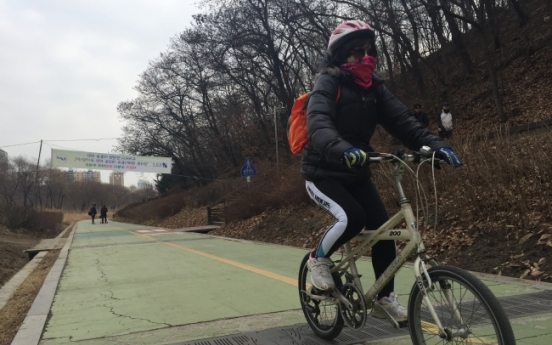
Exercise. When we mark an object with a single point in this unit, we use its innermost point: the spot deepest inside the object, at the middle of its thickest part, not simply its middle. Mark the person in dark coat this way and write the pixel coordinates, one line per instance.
(92, 212)
(420, 115)
(334, 159)
(103, 214)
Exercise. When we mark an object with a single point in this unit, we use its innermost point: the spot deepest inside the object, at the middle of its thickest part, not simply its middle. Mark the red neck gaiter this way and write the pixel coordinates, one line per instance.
(361, 70)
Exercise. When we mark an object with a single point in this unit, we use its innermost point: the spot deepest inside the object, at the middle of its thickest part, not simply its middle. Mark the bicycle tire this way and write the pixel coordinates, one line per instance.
(467, 291)
(333, 326)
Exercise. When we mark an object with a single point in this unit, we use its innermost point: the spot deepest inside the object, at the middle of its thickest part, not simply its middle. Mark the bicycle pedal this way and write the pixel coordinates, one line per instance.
(403, 324)
(319, 295)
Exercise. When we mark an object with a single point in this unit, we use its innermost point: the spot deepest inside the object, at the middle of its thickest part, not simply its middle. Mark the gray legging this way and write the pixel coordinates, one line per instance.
(354, 205)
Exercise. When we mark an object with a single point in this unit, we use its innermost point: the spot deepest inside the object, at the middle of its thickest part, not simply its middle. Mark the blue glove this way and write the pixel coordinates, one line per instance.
(354, 157)
(449, 156)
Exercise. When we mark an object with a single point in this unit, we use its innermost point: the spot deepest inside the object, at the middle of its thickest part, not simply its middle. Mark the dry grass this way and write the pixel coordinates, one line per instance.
(15, 310)
(170, 205)
(24, 219)
(71, 217)
(504, 182)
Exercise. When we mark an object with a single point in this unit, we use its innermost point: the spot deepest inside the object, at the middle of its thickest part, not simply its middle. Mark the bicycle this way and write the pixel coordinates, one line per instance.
(446, 303)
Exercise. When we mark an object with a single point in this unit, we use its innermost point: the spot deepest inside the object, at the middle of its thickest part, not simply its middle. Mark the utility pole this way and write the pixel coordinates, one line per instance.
(276, 138)
(276, 134)
(36, 175)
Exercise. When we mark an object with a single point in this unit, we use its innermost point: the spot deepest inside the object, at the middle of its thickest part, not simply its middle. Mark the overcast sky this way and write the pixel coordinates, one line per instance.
(66, 64)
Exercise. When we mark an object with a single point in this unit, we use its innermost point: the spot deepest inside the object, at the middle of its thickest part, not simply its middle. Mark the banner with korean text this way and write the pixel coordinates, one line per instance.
(110, 161)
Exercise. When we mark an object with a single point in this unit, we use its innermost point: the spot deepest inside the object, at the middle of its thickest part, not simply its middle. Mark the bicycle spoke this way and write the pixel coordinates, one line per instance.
(467, 310)
(321, 311)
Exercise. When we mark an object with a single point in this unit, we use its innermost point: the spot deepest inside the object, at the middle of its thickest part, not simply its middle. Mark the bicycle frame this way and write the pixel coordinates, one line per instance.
(388, 232)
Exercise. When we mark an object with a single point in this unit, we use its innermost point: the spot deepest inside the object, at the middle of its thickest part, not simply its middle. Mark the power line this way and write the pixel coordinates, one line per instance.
(98, 139)
(34, 142)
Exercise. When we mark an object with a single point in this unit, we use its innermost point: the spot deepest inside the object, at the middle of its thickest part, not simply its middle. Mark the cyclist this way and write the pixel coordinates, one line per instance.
(334, 159)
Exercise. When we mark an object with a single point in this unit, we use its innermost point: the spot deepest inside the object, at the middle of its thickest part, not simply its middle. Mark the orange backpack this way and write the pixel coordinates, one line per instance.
(297, 123)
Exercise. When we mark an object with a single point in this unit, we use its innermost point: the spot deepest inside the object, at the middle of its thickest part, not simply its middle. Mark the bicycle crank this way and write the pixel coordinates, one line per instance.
(353, 312)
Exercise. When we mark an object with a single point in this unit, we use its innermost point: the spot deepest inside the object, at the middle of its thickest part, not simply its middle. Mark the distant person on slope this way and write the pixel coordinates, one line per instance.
(103, 214)
(92, 212)
(445, 122)
(420, 115)
(334, 159)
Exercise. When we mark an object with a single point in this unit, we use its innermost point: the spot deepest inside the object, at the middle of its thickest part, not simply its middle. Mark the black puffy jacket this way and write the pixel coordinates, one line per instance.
(333, 128)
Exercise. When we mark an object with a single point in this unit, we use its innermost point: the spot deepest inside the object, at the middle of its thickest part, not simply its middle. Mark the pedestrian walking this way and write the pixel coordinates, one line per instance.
(92, 212)
(103, 214)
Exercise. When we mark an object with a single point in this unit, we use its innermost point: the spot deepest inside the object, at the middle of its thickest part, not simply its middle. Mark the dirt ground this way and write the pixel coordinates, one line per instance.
(12, 259)
(15, 310)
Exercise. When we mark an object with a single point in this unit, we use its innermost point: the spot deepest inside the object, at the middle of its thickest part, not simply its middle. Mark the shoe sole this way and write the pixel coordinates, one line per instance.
(330, 288)
(384, 317)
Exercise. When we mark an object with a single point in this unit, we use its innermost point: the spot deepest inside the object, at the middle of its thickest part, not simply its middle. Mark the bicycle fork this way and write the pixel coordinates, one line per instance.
(420, 271)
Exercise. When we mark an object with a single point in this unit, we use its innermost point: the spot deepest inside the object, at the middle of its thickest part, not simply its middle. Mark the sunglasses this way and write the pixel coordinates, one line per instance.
(359, 52)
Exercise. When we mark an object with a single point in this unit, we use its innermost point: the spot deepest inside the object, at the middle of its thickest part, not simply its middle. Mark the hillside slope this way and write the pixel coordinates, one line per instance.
(494, 212)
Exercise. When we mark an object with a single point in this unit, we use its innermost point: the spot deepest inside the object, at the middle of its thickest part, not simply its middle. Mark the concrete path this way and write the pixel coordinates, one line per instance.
(132, 284)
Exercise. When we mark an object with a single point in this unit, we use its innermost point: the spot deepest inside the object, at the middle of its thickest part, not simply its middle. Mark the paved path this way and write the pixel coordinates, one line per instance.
(132, 284)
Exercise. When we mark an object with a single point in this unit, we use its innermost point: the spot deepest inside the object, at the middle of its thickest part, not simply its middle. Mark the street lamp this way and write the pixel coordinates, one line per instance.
(276, 135)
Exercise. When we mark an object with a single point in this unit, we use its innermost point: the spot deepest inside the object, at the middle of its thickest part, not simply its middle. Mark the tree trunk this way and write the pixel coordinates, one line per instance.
(492, 73)
(523, 18)
(459, 42)
(399, 58)
(493, 22)
(438, 28)
(415, 60)
(389, 64)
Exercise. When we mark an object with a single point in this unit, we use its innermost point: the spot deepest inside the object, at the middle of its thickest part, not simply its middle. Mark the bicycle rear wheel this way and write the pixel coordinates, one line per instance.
(323, 316)
(467, 309)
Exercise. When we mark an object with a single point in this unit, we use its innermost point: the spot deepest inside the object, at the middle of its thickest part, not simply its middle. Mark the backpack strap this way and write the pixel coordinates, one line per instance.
(309, 96)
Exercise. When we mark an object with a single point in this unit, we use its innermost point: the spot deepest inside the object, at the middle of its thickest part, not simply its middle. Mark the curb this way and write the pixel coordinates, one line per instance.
(7, 291)
(13, 284)
(30, 331)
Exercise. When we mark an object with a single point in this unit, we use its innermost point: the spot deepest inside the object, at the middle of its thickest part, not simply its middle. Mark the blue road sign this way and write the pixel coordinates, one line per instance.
(248, 169)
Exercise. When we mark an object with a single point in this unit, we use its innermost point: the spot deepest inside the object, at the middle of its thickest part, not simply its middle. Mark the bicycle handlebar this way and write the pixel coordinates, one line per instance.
(416, 157)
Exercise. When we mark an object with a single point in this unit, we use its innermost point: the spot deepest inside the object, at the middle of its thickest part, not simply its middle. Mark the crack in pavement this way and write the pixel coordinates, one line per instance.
(135, 318)
(102, 273)
(112, 297)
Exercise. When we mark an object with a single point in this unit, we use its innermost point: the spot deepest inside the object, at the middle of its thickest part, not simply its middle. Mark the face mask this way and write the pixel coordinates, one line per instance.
(361, 70)
(446, 111)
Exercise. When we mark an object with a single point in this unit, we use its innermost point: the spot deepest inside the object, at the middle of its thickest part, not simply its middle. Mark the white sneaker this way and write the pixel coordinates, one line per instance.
(321, 277)
(392, 306)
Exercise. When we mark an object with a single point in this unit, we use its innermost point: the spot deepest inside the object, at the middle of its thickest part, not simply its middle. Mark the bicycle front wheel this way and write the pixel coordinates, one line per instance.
(466, 308)
(322, 314)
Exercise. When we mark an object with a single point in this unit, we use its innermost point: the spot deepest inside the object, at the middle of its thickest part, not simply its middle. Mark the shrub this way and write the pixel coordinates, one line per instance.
(39, 222)
(158, 208)
(270, 190)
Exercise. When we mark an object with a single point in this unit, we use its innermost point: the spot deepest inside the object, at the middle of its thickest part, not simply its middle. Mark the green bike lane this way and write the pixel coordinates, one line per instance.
(132, 284)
